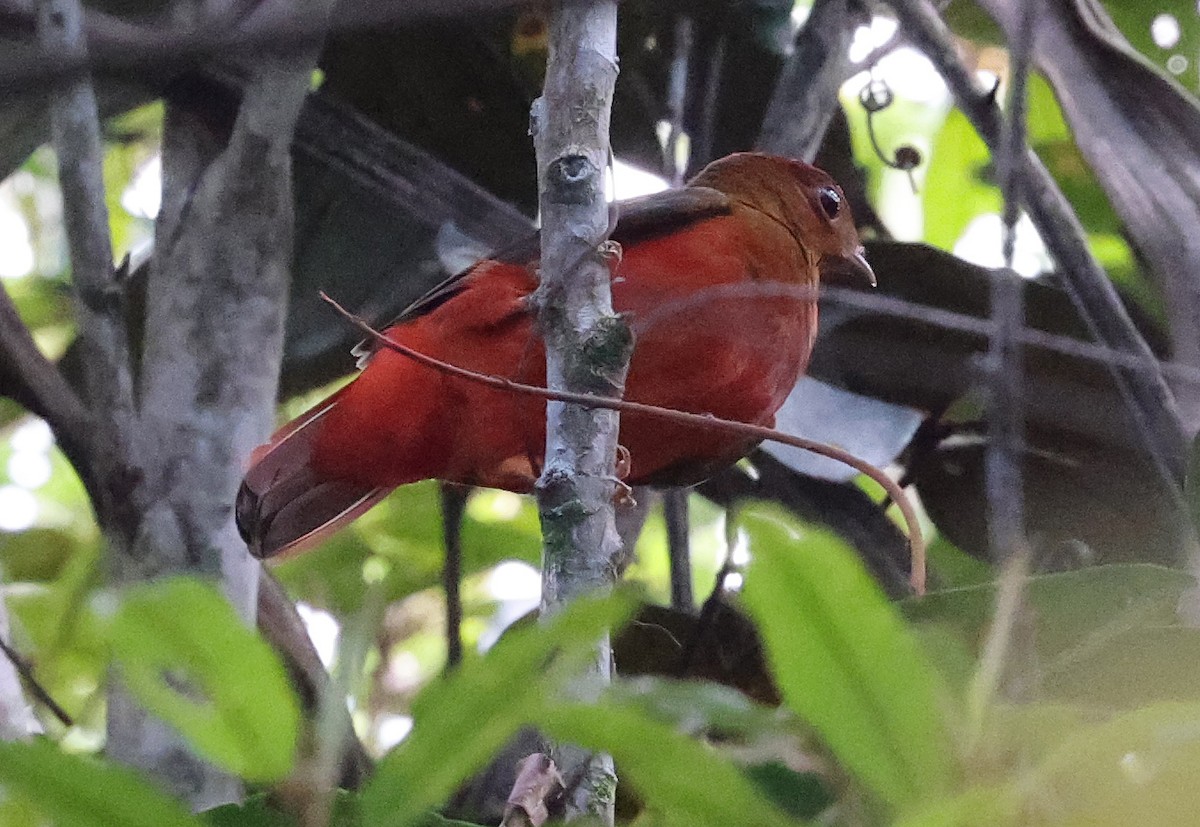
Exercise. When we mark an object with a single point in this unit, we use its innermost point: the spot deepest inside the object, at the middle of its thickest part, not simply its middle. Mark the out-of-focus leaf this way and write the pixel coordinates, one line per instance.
(257, 811)
(846, 663)
(37, 554)
(1132, 668)
(993, 806)
(254, 812)
(1068, 607)
(1139, 768)
(799, 794)
(463, 719)
(79, 791)
(1134, 19)
(955, 190)
(679, 778)
(184, 653)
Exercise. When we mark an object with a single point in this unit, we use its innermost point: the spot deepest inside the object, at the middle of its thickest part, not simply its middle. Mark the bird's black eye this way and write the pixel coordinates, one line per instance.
(831, 202)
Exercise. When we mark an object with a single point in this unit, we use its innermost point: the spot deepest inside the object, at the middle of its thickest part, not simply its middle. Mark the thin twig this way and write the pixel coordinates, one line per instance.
(454, 503)
(39, 692)
(675, 514)
(1006, 408)
(915, 538)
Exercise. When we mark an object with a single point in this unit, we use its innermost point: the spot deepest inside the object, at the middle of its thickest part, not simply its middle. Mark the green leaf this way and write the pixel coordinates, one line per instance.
(256, 811)
(958, 187)
(680, 778)
(799, 794)
(1070, 608)
(1131, 668)
(462, 720)
(185, 654)
(845, 662)
(993, 806)
(1139, 768)
(79, 791)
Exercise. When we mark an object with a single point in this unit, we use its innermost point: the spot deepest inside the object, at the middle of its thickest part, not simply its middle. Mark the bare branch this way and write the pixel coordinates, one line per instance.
(1006, 408)
(108, 381)
(587, 344)
(1149, 399)
(805, 96)
(117, 45)
(28, 377)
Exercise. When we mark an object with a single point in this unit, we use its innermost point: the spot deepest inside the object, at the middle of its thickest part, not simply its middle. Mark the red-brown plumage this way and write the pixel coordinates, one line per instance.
(703, 344)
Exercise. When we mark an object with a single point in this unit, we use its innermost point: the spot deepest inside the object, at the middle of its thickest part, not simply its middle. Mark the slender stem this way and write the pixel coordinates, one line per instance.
(1006, 414)
(454, 504)
(675, 511)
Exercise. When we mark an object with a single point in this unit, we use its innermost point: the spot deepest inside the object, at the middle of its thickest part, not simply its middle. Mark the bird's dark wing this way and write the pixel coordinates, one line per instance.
(638, 219)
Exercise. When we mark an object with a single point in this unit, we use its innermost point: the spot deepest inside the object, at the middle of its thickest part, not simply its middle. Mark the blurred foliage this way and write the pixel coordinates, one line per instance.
(911, 714)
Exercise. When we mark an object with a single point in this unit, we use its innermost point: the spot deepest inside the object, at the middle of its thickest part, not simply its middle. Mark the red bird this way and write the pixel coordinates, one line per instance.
(701, 345)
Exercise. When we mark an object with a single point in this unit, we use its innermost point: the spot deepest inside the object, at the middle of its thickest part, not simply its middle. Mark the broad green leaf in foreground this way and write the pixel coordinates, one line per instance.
(682, 780)
(845, 662)
(184, 653)
(80, 791)
(1070, 608)
(1138, 768)
(463, 720)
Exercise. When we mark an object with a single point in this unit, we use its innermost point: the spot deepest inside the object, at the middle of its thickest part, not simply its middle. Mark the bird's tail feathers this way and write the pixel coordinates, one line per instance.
(284, 504)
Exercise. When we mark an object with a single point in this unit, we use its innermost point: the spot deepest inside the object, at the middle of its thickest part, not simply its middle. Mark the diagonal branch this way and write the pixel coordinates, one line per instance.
(29, 378)
(587, 400)
(1146, 393)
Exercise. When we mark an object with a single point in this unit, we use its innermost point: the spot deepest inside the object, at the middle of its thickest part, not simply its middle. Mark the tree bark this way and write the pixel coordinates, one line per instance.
(587, 345)
(173, 424)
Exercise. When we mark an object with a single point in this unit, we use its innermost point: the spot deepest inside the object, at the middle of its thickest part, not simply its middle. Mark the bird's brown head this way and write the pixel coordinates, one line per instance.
(805, 200)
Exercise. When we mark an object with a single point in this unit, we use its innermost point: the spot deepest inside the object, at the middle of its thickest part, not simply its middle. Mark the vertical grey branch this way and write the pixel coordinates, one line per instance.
(1006, 497)
(108, 380)
(213, 338)
(587, 345)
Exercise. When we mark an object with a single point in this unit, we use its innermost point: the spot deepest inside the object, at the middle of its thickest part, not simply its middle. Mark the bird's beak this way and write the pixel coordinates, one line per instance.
(847, 270)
